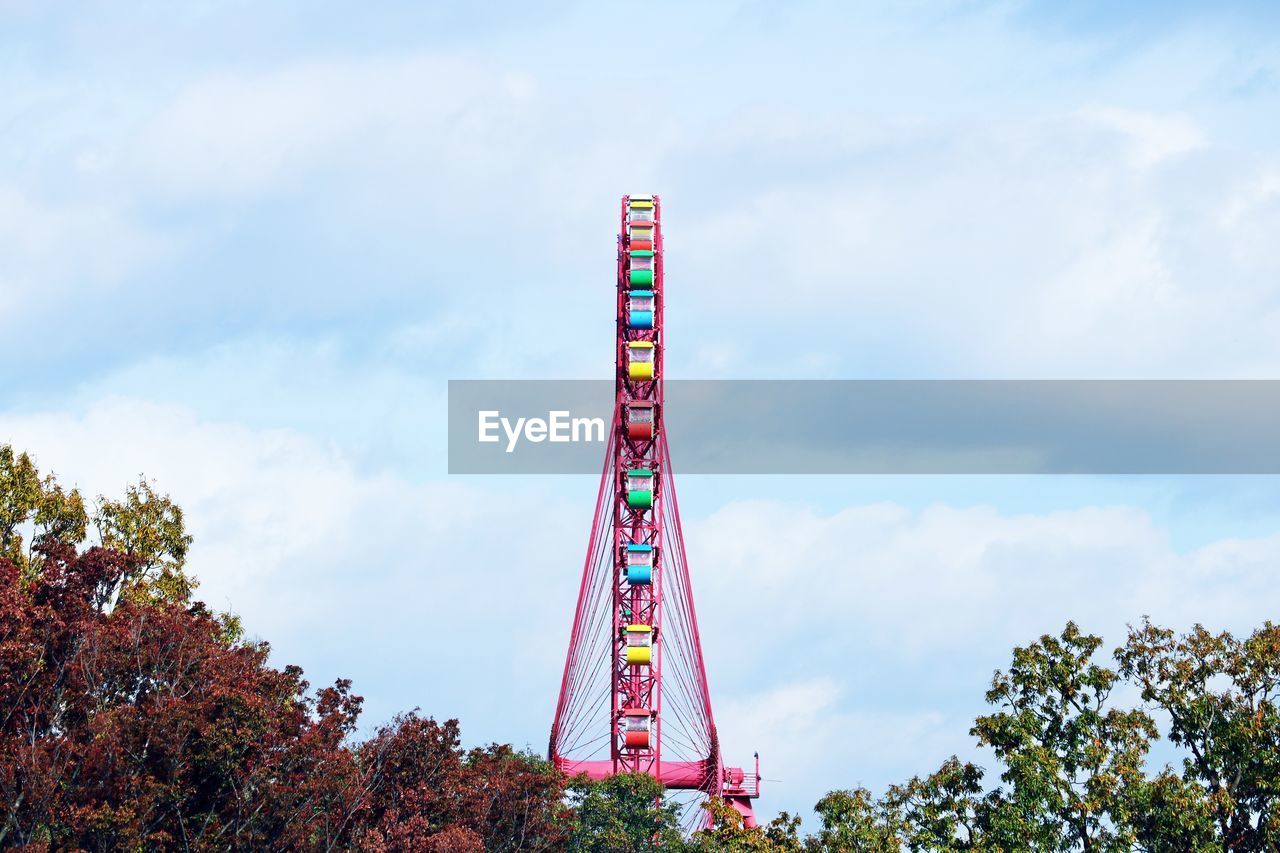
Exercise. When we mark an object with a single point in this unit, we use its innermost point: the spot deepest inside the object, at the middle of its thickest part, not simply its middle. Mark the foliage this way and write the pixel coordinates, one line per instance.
(148, 528)
(1168, 813)
(1220, 693)
(1067, 756)
(29, 502)
(945, 810)
(729, 833)
(854, 820)
(141, 727)
(624, 813)
(132, 717)
(1075, 765)
(426, 792)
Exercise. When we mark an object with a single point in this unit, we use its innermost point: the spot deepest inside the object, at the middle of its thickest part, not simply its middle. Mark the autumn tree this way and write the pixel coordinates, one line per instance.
(426, 792)
(34, 509)
(854, 820)
(149, 529)
(143, 720)
(1220, 693)
(728, 832)
(947, 810)
(144, 525)
(1067, 754)
(132, 717)
(142, 726)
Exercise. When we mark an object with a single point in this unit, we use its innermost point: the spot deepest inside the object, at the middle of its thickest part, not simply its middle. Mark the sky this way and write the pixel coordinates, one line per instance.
(244, 246)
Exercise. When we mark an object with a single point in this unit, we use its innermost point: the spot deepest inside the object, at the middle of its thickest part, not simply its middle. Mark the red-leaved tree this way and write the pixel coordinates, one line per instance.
(151, 725)
(132, 717)
(430, 794)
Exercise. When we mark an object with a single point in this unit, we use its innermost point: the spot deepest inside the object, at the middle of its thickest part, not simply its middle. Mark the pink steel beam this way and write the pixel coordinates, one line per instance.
(677, 775)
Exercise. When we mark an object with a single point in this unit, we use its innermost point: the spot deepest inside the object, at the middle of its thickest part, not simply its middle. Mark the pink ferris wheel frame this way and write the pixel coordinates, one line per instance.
(634, 696)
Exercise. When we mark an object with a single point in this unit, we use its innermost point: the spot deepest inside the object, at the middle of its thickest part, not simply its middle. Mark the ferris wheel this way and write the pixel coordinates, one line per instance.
(634, 697)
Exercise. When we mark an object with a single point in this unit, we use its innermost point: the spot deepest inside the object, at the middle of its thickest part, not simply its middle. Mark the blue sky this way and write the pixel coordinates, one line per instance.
(242, 249)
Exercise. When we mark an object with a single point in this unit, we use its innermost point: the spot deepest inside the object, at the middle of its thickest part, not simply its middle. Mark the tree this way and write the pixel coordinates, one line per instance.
(40, 505)
(784, 832)
(143, 726)
(728, 832)
(1168, 814)
(854, 820)
(426, 792)
(1068, 757)
(623, 814)
(148, 528)
(145, 526)
(517, 800)
(1220, 693)
(418, 782)
(946, 810)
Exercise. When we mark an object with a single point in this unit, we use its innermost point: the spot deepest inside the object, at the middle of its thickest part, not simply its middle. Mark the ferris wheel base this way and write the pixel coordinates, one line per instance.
(738, 789)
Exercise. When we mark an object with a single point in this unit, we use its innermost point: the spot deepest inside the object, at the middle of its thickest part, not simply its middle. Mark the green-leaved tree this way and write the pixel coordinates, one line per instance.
(623, 814)
(147, 527)
(1220, 693)
(1068, 756)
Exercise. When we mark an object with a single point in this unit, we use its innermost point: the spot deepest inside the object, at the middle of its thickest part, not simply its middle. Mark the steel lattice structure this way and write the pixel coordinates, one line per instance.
(634, 696)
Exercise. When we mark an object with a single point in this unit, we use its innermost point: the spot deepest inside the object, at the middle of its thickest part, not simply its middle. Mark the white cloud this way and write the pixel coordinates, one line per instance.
(1152, 138)
(436, 120)
(965, 578)
(55, 252)
(254, 499)
(423, 592)
(1023, 246)
(812, 738)
(1071, 241)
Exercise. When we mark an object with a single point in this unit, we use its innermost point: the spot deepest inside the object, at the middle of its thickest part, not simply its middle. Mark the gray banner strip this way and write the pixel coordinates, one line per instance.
(882, 427)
